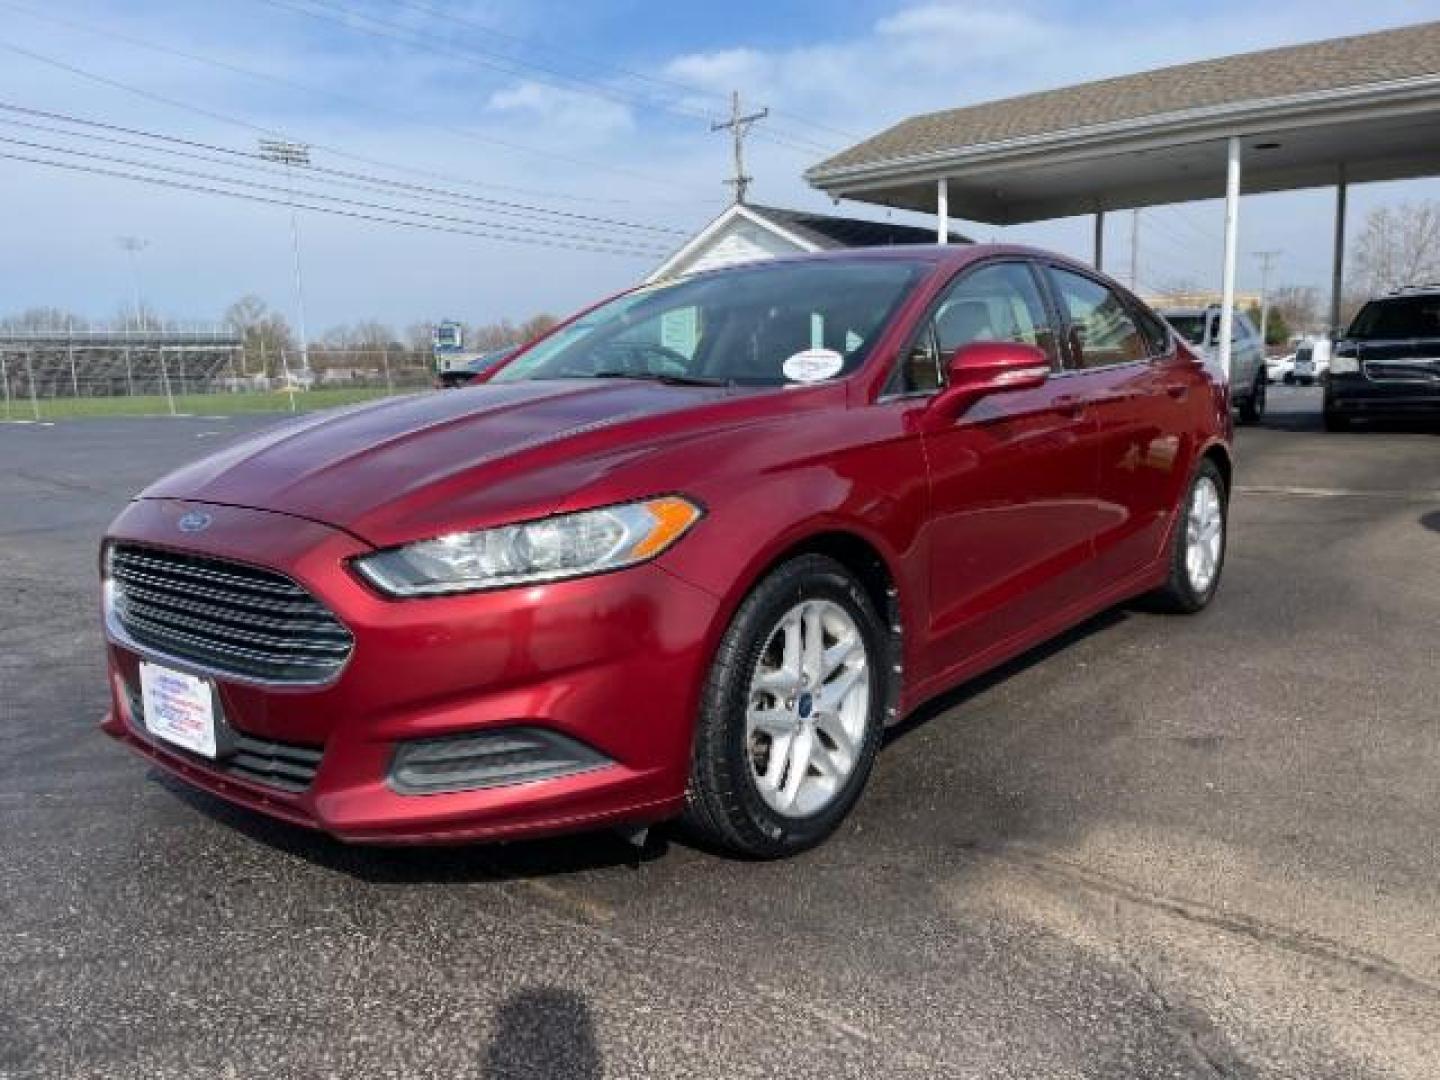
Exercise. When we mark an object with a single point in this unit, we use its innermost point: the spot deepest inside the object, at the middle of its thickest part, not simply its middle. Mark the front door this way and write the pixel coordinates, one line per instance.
(1012, 480)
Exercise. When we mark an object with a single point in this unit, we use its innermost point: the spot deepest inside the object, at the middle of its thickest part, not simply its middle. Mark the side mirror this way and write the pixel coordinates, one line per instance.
(983, 368)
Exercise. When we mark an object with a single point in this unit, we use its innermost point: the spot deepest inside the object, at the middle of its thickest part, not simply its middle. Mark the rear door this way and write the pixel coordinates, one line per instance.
(1126, 368)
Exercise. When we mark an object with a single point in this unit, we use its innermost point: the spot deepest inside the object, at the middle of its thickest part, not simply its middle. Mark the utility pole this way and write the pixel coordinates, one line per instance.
(1266, 258)
(1135, 250)
(291, 154)
(132, 246)
(739, 126)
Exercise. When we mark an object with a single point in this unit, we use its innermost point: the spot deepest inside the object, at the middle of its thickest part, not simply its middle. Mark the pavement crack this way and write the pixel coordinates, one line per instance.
(1300, 942)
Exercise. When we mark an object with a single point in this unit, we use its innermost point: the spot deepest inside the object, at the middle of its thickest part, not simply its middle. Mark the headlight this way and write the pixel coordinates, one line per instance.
(566, 546)
(1344, 363)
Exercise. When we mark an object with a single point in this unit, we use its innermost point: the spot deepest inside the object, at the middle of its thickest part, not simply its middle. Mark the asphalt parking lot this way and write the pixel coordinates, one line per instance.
(1164, 847)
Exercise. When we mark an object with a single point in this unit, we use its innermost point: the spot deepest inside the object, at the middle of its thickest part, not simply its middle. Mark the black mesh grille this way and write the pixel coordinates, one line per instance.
(231, 617)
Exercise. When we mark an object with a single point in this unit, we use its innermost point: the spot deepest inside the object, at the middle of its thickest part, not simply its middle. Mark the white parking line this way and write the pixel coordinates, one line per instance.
(1336, 493)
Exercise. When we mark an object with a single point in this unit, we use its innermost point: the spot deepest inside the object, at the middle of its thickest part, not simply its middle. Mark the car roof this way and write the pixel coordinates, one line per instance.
(951, 256)
(1409, 290)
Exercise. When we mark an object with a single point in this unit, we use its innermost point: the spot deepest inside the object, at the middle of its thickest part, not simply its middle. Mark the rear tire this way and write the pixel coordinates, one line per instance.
(744, 798)
(1197, 547)
(1252, 408)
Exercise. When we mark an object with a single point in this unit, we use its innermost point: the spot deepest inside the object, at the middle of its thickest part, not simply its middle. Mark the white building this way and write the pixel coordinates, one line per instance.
(749, 233)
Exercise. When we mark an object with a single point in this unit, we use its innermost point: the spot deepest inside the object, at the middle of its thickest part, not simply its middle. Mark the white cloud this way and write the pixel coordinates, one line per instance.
(649, 166)
(567, 115)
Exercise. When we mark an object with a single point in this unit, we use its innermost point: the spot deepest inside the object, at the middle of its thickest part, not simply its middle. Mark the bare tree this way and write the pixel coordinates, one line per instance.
(1297, 305)
(1399, 245)
(265, 334)
(418, 336)
(536, 325)
(42, 318)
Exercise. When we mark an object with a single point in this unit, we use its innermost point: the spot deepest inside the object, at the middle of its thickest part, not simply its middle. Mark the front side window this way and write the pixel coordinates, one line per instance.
(735, 326)
(1000, 302)
(1102, 331)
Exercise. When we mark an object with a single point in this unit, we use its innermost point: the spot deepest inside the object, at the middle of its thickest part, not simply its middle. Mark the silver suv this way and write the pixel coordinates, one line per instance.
(1200, 326)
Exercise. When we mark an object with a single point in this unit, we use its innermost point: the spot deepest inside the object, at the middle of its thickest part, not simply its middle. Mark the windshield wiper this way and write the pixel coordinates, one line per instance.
(668, 380)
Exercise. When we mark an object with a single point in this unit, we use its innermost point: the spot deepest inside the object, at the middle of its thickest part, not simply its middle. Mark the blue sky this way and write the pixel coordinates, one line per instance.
(597, 110)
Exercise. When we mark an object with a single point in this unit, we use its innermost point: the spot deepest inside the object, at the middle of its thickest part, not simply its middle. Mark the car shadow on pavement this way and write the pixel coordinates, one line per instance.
(953, 699)
(543, 1031)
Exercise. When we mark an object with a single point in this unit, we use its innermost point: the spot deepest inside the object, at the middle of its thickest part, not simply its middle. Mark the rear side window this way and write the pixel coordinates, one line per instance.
(1157, 334)
(1102, 331)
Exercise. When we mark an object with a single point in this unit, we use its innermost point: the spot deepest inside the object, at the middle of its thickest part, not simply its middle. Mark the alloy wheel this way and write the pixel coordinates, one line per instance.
(1204, 535)
(808, 708)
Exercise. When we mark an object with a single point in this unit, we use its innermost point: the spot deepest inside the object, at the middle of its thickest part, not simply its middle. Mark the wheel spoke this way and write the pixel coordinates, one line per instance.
(777, 681)
(814, 650)
(771, 722)
(831, 727)
(769, 780)
(831, 765)
(836, 655)
(797, 768)
(832, 694)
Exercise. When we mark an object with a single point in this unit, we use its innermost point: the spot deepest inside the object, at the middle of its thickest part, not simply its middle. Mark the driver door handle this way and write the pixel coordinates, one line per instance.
(1071, 405)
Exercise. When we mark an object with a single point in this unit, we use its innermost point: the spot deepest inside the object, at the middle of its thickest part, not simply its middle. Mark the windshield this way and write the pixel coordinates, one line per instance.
(1397, 318)
(757, 326)
(1190, 327)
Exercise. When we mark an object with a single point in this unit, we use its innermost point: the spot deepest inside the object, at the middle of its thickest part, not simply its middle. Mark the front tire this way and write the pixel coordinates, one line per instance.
(1335, 421)
(792, 713)
(1197, 549)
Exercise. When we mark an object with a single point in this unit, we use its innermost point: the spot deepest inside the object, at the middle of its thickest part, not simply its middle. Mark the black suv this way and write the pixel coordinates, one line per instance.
(1388, 363)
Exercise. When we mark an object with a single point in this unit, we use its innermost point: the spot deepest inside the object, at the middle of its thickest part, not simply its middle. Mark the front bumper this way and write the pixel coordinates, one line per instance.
(1357, 395)
(614, 662)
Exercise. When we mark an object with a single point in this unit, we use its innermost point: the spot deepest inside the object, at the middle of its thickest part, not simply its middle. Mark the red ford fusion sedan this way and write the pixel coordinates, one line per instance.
(685, 556)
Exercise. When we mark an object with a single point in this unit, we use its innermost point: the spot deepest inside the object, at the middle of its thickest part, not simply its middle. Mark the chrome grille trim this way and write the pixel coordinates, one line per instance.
(217, 617)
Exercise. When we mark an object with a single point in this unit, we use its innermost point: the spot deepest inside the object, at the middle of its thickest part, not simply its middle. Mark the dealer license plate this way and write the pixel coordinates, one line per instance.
(179, 708)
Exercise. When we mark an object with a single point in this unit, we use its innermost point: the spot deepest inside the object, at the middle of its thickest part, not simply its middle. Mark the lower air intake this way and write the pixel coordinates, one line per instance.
(488, 759)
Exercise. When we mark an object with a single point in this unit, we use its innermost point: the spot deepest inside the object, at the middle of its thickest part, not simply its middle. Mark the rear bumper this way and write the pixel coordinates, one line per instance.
(614, 662)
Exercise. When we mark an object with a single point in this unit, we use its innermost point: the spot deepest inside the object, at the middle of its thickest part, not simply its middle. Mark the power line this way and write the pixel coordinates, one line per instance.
(619, 244)
(569, 244)
(358, 181)
(404, 35)
(224, 65)
(656, 80)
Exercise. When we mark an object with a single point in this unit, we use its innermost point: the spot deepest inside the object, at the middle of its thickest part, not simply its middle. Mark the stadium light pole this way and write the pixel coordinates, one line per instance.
(291, 154)
(132, 246)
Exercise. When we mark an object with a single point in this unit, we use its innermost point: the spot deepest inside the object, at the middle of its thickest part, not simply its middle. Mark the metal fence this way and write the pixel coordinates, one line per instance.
(59, 375)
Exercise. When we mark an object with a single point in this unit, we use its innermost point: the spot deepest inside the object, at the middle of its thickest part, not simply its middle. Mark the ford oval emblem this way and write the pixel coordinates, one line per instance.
(193, 522)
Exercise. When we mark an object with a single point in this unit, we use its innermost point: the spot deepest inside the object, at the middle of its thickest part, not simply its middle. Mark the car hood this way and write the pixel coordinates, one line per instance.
(433, 463)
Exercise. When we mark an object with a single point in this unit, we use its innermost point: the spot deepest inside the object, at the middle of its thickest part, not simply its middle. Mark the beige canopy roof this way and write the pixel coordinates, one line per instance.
(1369, 104)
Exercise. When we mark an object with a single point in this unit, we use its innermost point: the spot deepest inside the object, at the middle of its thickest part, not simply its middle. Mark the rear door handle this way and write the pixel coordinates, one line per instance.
(1179, 391)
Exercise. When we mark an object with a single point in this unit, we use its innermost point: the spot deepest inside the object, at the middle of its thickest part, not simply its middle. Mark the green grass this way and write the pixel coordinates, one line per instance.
(192, 404)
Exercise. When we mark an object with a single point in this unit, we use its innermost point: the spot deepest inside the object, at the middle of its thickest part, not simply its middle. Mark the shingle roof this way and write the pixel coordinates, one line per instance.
(828, 232)
(1362, 60)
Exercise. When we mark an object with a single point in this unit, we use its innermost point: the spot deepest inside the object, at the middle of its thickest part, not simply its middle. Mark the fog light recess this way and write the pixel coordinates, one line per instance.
(489, 759)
